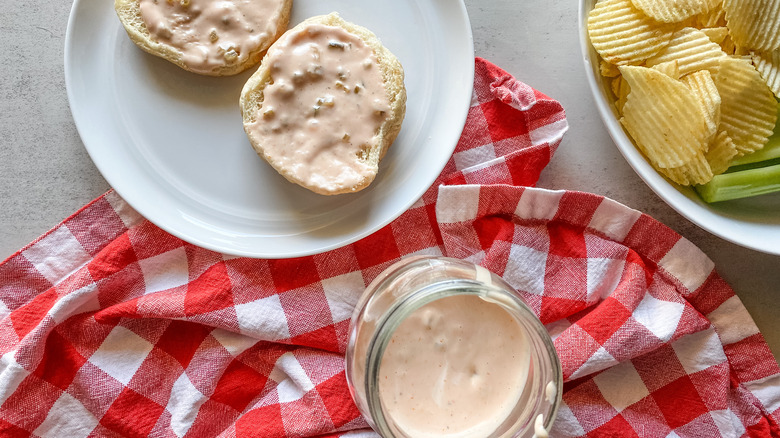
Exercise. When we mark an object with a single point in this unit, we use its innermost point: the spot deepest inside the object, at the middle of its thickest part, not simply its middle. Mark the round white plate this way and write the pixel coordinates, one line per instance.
(752, 222)
(172, 145)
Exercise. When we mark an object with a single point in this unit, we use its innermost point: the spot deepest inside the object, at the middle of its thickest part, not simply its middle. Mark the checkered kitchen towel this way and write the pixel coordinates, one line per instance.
(112, 327)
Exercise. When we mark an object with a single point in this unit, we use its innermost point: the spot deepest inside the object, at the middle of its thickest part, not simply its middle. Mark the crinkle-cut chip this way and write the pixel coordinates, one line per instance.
(674, 11)
(689, 22)
(768, 65)
(695, 171)
(614, 85)
(716, 34)
(720, 152)
(664, 117)
(728, 46)
(748, 110)
(754, 24)
(669, 68)
(693, 50)
(715, 17)
(703, 87)
(608, 70)
(623, 35)
(620, 89)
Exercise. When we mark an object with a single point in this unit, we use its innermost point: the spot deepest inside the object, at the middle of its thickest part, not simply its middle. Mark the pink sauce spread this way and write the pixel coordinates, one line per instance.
(455, 367)
(208, 33)
(323, 109)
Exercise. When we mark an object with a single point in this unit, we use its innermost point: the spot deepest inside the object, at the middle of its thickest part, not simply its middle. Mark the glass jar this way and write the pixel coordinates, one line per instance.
(415, 291)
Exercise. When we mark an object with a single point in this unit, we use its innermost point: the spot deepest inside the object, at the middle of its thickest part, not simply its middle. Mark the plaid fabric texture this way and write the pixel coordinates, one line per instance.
(111, 327)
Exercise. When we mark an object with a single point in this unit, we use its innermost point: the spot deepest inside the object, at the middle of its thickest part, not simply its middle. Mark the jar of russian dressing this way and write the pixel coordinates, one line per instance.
(440, 347)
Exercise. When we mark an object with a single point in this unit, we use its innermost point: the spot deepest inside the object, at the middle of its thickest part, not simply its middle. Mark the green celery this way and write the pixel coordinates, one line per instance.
(741, 184)
(751, 175)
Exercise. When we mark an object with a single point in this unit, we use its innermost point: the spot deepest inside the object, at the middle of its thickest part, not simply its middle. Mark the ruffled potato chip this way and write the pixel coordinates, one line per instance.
(623, 35)
(728, 46)
(614, 85)
(693, 50)
(703, 87)
(696, 171)
(715, 17)
(768, 65)
(664, 117)
(754, 24)
(608, 70)
(716, 34)
(674, 11)
(669, 68)
(748, 107)
(621, 90)
(720, 152)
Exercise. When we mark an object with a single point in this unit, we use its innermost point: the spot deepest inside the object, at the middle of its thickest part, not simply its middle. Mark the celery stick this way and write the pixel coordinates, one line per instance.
(742, 184)
(766, 163)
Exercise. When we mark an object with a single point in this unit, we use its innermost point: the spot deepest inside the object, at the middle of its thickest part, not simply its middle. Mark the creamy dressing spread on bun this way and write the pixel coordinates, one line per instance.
(211, 34)
(322, 108)
(326, 103)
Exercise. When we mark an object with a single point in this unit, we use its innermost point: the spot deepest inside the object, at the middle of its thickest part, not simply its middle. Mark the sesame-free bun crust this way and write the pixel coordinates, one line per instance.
(129, 13)
(392, 72)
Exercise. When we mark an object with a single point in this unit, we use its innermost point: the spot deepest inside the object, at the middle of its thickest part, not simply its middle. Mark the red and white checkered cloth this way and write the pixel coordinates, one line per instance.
(112, 327)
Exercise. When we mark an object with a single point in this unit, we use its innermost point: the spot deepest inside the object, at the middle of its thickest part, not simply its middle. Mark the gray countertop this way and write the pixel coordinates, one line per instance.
(46, 174)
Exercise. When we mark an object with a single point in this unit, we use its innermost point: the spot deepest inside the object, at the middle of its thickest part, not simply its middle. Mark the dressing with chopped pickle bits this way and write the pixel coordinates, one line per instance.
(323, 108)
(210, 34)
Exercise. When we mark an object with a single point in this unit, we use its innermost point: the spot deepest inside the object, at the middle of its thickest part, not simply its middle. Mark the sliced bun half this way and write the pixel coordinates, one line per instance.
(215, 38)
(325, 104)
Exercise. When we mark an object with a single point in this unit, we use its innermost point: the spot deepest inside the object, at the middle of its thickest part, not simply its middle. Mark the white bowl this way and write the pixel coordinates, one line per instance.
(752, 222)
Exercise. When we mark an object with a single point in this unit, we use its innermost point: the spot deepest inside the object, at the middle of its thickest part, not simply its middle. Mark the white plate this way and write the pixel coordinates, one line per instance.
(172, 145)
(752, 222)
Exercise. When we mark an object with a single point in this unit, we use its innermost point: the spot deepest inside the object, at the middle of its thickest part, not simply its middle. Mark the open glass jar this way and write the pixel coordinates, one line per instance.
(440, 347)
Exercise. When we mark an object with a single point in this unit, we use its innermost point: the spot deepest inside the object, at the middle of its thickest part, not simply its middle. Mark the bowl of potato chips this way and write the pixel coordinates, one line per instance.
(688, 90)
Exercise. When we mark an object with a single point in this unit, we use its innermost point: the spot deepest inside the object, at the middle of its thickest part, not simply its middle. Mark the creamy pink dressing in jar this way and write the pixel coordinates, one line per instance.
(443, 348)
(212, 33)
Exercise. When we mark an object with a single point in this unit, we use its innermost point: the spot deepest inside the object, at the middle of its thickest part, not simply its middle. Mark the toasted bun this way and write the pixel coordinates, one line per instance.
(392, 73)
(129, 13)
